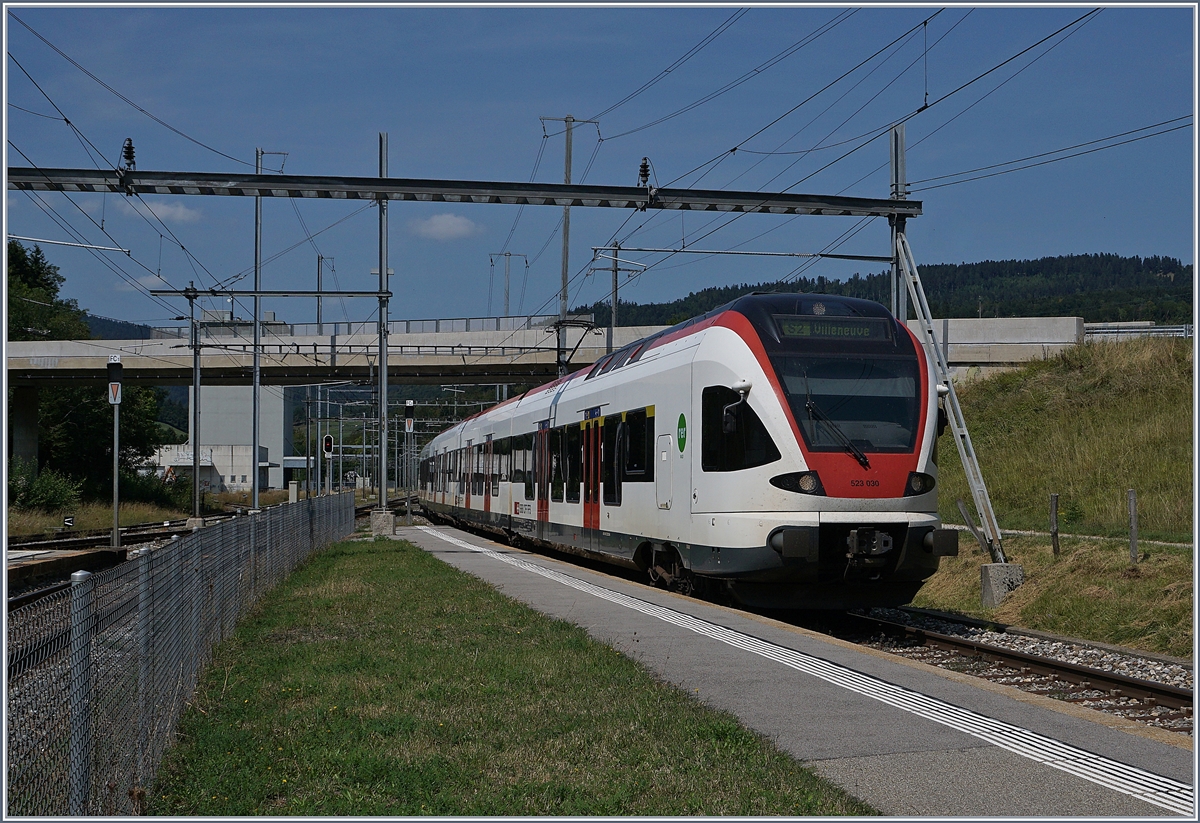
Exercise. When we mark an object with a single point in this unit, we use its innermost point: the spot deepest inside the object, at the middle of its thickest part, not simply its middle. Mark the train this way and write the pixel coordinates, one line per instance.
(780, 449)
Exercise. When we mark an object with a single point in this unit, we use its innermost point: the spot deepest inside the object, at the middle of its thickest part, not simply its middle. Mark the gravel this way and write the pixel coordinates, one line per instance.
(1128, 663)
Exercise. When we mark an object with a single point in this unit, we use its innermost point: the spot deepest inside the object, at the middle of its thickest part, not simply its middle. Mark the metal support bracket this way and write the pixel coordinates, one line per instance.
(958, 425)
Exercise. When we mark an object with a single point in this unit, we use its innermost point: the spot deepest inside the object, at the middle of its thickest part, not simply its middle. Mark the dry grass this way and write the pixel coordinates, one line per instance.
(1088, 425)
(266, 497)
(1090, 591)
(88, 516)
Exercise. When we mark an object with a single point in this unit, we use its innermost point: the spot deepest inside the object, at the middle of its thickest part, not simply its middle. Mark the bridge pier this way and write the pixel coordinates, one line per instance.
(23, 425)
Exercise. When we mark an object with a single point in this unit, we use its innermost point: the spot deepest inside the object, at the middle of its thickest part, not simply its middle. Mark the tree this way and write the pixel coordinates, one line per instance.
(75, 422)
(35, 311)
(75, 430)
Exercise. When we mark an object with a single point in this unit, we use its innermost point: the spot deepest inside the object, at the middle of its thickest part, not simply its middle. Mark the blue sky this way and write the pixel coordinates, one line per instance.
(460, 93)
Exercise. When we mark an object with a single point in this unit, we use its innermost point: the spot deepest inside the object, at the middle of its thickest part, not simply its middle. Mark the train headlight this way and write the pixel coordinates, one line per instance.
(800, 482)
(919, 483)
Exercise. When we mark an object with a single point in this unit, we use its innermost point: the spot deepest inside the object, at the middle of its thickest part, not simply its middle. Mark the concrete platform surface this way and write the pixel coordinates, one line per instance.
(907, 738)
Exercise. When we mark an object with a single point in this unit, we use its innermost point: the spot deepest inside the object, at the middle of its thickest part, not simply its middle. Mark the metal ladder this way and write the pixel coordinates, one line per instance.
(983, 503)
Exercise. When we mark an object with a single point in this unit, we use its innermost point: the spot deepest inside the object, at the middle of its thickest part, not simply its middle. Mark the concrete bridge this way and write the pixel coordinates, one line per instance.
(459, 356)
(462, 351)
(440, 351)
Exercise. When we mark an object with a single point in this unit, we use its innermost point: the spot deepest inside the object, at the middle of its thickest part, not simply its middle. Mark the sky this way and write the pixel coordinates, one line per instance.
(462, 93)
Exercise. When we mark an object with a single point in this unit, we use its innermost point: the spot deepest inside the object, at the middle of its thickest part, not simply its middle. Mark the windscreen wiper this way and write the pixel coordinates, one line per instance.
(815, 411)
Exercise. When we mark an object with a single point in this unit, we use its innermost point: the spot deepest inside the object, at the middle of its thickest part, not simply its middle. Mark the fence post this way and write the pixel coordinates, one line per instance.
(1133, 553)
(80, 750)
(1054, 522)
(196, 584)
(144, 632)
(253, 557)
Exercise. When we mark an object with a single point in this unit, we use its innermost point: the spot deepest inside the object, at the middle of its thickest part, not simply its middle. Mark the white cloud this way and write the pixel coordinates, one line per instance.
(147, 281)
(444, 227)
(167, 211)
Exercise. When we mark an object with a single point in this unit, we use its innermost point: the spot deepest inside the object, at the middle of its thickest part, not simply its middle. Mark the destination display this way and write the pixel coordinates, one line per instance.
(833, 328)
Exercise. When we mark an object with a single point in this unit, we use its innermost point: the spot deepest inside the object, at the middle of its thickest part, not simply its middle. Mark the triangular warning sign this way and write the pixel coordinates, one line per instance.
(114, 394)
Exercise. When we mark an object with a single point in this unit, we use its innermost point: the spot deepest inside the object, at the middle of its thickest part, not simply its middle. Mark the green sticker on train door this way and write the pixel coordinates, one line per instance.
(681, 435)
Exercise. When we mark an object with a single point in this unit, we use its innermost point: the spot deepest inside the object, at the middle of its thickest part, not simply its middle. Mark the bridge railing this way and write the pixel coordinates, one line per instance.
(1125, 331)
(244, 328)
(99, 674)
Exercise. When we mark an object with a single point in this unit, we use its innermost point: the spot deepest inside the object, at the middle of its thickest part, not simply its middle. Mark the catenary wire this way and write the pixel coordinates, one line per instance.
(1053, 160)
(803, 102)
(883, 130)
(125, 99)
(1058, 151)
(692, 52)
(840, 18)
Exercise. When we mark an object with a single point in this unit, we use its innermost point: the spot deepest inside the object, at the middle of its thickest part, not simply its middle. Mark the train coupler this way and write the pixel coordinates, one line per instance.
(863, 543)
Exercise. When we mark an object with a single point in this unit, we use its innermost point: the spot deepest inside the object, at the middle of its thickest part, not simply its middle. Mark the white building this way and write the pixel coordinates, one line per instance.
(226, 440)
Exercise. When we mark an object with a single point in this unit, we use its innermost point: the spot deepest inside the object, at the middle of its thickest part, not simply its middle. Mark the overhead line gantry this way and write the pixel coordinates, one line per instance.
(451, 191)
(897, 209)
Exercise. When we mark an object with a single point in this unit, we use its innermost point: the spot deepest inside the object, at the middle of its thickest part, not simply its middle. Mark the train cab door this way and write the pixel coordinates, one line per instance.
(591, 469)
(488, 469)
(541, 476)
(662, 470)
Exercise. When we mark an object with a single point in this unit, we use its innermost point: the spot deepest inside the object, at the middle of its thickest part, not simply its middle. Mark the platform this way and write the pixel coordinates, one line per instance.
(905, 737)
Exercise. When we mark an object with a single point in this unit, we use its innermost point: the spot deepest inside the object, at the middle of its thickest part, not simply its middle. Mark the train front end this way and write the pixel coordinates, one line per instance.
(835, 398)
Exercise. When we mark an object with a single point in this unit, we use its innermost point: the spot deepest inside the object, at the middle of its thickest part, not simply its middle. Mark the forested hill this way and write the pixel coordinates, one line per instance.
(1096, 287)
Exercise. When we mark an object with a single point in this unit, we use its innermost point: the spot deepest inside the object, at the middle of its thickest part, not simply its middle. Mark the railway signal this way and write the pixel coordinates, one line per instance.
(327, 448)
(114, 399)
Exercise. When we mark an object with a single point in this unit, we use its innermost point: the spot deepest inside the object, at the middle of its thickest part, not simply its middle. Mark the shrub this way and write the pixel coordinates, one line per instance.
(48, 491)
(142, 488)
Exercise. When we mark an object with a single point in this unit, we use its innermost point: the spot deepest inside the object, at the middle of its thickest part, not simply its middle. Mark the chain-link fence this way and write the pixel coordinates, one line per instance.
(98, 675)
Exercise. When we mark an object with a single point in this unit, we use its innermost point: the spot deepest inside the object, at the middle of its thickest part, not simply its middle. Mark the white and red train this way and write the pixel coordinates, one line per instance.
(783, 446)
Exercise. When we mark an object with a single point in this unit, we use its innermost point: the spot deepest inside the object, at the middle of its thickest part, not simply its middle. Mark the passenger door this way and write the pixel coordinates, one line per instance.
(489, 469)
(541, 470)
(591, 470)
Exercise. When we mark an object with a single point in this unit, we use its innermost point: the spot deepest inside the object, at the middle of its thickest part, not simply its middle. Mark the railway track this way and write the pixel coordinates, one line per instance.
(1135, 698)
(100, 538)
(132, 536)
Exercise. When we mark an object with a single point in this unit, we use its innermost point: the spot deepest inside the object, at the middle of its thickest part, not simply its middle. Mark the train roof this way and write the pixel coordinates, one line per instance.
(757, 307)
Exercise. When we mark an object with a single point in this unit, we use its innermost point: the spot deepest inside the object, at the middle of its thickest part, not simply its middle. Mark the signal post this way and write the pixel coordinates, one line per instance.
(114, 399)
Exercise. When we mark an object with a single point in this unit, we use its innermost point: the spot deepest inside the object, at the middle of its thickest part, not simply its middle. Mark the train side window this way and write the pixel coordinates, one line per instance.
(502, 449)
(516, 459)
(463, 469)
(573, 457)
(477, 471)
(639, 447)
(612, 445)
(497, 468)
(558, 479)
(524, 443)
(749, 445)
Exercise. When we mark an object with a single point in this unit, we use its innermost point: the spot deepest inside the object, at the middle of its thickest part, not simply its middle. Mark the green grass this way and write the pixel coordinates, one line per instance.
(379, 681)
(1090, 591)
(1088, 425)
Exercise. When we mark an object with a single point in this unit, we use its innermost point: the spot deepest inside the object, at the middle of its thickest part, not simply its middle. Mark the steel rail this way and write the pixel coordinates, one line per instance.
(1083, 676)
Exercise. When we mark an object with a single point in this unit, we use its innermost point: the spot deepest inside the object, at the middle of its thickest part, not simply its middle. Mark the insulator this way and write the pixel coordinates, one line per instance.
(644, 172)
(127, 153)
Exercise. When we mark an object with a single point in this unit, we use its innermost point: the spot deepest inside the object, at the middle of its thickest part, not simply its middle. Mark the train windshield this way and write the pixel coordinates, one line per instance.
(870, 401)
